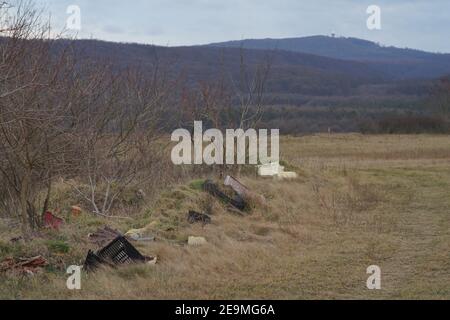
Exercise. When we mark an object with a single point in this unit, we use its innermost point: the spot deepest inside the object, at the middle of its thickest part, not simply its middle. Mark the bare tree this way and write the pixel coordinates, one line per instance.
(234, 100)
(250, 89)
(63, 117)
(118, 135)
(32, 116)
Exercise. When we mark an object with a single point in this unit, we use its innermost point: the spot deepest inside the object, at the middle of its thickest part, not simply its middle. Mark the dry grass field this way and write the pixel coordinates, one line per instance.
(359, 201)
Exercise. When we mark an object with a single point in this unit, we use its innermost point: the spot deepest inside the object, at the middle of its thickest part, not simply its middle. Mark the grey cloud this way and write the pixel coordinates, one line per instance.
(405, 23)
(113, 29)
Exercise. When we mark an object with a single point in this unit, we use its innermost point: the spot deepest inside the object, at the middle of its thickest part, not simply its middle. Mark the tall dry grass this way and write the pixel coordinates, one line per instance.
(314, 238)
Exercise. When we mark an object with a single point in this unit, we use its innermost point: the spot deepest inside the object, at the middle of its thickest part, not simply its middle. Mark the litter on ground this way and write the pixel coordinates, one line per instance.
(287, 175)
(103, 236)
(215, 191)
(274, 169)
(196, 241)
(194, 217)
(143, 234)
(114, 248)
(16, 239)
(270, 169)
(76, 211)
(24, 265)
(242, 190)
(51, 221)
(117, 252)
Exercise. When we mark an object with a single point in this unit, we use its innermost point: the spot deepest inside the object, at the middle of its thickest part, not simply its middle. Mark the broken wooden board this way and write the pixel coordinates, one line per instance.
(242, 190)
(103, 236)
(25, 265)
(238, 202)
(194, 217)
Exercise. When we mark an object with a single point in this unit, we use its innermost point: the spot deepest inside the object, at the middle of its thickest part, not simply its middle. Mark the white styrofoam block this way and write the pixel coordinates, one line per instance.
(270, 169)
(196, 241)
(287, 175)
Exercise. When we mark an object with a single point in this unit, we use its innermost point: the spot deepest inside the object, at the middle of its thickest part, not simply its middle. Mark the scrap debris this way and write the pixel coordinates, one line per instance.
(274, 169)
(215, 191)
(194, 217)
(76, 211)
(270, 169)
(24, 265)
(16, 239)
(140, 234)
(52, 222)
(196, 241)
(287, 175)
(103, 236)
(114, 248)
(116, 253)
(241, 190)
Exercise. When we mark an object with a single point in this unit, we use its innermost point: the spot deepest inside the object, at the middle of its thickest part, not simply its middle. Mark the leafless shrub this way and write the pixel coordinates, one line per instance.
(118, 137)
(233, 100)
(61, 117)
(32, 117)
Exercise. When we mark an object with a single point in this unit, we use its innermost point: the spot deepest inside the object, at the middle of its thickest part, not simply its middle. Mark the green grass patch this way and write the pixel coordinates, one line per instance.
(197, 184)
(58, 246)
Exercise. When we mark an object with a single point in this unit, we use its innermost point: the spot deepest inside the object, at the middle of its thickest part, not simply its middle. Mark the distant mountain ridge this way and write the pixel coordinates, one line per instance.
(291, 72)
(396, 62)
(402, 71)
(305, 92)
(334, 47)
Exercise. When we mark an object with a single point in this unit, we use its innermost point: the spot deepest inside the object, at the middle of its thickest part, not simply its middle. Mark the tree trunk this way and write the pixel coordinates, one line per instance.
(46, 202)
(24, 190)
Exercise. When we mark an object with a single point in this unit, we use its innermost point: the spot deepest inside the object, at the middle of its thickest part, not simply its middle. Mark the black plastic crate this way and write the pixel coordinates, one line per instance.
(120, 251)
(93, 261)
(117, 252)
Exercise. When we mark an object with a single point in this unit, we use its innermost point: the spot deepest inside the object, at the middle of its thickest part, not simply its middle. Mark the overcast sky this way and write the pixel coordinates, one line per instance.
(419, 24)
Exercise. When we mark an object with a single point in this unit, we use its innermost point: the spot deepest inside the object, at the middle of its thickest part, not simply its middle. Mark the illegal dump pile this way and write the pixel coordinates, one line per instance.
(26, 266)
(116, 249)
(109, 247)
(118, 252)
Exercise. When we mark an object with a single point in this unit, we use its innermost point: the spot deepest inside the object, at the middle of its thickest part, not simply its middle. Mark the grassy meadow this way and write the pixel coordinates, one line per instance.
(359, 201)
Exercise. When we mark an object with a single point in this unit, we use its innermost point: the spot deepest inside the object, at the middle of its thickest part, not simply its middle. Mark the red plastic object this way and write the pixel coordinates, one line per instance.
(52, 221)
